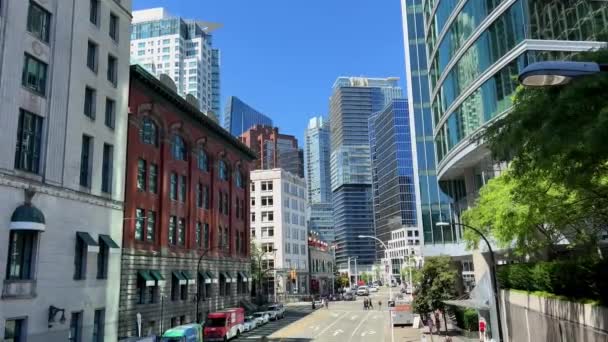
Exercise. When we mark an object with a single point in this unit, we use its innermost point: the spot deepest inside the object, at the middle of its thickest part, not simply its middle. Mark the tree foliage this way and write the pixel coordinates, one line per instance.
(437, 283)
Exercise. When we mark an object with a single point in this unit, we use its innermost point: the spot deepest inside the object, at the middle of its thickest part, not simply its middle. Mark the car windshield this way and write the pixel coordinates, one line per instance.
(172, 339)
(247, 319)
(274, 307)
(216, 322)
(258, 314)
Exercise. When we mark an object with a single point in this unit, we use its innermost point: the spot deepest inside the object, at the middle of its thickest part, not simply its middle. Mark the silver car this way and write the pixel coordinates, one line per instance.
(250, 323)
(261, 317)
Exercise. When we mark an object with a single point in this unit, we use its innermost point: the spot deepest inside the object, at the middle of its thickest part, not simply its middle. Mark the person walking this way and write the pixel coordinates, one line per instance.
(365, 304)
(379, 305)
(326, 303)
(371, 304)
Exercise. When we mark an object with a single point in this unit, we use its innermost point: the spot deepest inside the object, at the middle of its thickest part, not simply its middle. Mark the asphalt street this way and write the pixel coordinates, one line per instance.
(344, 321)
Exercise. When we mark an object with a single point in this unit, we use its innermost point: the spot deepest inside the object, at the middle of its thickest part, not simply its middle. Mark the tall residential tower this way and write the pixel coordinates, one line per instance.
(239, 117)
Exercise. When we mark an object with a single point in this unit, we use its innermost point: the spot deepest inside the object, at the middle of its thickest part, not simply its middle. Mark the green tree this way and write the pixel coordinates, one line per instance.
(366, 277)
(342, 281)
(437, 283)
(557, 135)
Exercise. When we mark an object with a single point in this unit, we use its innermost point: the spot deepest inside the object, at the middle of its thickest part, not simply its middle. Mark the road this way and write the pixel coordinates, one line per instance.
(342, 322)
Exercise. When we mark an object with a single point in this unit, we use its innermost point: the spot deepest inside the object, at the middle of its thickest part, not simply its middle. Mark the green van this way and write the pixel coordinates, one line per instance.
(184, 333)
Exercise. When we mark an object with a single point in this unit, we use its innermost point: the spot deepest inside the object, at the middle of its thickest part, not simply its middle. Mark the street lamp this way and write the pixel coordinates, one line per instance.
(492, 269)
(198, 285)
(556, 73)
(390, 264)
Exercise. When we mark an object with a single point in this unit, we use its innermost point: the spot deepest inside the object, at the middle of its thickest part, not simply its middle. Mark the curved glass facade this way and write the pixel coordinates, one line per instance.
(566, 20)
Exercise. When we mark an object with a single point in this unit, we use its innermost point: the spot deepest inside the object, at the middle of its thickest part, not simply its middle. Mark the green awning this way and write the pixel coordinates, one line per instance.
(244, 276)
(160, 280)
(92, 245)
(27, 217)
(180, 278)
(189, 277)
(108, 241)
(146, 277)
(229, 277)
(208, 276)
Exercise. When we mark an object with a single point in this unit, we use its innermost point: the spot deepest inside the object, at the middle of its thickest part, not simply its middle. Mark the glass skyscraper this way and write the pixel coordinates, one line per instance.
(181, 49)
(239, 117)
(395, 204)
(318, 178)
(353, 101)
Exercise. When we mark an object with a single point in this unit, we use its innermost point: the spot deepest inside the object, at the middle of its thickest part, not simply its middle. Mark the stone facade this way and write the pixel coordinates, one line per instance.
(186, 197)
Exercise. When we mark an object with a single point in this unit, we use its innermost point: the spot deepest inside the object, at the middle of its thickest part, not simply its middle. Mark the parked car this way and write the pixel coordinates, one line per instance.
(250, 323)
(261, 317)
(184, 333)
(363, 291)
(278, 309)
(349, 296)
(373, 289)
(224, 325)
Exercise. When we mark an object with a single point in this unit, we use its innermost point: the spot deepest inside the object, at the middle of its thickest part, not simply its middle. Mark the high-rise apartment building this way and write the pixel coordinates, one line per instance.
(64, 93)
(394, 174)
(239, 117)
(352, 102)
(318, 178)
(274, 150)
(181, 49)
(278, 228)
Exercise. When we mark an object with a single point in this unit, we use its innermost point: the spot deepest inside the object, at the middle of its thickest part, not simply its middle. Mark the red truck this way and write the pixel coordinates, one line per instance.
(224, 325)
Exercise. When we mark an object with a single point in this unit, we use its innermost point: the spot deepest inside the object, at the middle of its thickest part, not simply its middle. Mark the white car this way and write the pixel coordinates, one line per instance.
(362, 291)
(373, 289)
(278, 309)
(261, 317)
(250, 323)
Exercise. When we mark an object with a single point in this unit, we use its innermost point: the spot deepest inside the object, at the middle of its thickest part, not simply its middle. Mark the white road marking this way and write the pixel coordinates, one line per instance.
(333, 314)
(331, 325)
(358, 326)
(354, 318)
(338, 332)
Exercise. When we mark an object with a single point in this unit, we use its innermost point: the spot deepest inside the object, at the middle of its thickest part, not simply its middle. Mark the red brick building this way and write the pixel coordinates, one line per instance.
(186, 197)
(274, 150)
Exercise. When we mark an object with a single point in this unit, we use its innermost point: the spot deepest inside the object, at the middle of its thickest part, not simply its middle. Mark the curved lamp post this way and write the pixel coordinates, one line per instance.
(556, 73)
(492, 269)
(198, 269)
(390, 264)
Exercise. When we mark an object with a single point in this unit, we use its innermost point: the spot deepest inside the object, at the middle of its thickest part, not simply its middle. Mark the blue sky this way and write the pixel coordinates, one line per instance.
(282, 56)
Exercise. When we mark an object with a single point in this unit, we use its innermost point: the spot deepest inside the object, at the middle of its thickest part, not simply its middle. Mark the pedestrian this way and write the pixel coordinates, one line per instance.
(365, 304)
(326, 303)
(379, 305)
(371, 304)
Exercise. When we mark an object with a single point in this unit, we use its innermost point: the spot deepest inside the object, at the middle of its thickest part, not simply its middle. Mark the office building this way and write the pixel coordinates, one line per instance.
(186, 229)
(352, 102)
(321, 261)
(394, 176)
(183, 50)
(64, 85)
(319, 213)
(274, 150)
(239, 117)
(278, 228)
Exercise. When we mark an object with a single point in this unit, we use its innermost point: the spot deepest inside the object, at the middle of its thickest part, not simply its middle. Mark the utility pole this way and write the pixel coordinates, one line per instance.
(350, 286)
(356, 274)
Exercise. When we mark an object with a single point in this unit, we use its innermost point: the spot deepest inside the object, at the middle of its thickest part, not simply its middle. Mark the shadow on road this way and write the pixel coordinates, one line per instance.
(262, 333)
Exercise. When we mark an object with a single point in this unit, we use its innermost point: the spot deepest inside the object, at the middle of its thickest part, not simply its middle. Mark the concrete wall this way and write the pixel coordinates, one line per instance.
(528, 318)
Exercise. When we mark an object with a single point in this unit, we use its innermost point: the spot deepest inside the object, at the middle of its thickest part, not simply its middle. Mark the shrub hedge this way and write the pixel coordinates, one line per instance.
(573, 278)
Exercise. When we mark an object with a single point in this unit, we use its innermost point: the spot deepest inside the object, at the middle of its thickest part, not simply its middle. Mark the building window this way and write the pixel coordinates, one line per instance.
(151, 226)
(222, 284)
(90, 99)
(206, 202)
(86, 161)
(99, 323)
(253, 201)
(107, 168)
(172, 229)
(199, 195)
(206, 236)
(38, 22)
(21, 252)
(253, 232)
(266, 185)
(149, 132)
(29, 137)
(267, 232)
(238, 208)
(110, 118)
(239, 179)
(112, 70)
(75, 334)
(252, 186)
(267, 216)
(267, 201)
(223, 170)
(203, 162)
(253, 216)
(94, 12)
(152, 181)
(181, 232)
(198, 234)
(182, 188)
(114, 26)
(34, 75)
(173, 186)
(92, 56)
(139, 224)
(14, 330)
(178, 148)
(141, 175)
(268, 247)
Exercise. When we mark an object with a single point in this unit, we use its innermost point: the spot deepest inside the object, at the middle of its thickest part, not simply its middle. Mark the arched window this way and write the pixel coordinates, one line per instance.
(149, 132)
(178, 147)
(238, 179)
(203, 161)
(223, 170)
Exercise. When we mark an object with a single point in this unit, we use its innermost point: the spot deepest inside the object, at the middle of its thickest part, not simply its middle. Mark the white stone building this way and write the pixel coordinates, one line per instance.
(64, 76)
(278, 226)
(404, 249)
(181, 49)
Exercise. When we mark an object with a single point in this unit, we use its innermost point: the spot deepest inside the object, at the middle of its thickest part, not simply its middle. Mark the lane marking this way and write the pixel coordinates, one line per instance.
(338, 332)
(359, 326)
(331, 325)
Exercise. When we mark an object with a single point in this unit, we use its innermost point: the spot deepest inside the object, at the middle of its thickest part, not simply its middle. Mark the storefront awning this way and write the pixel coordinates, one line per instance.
(146, 277)
(189, 277)
(227, 277)
(92, 245)
(112, 245)
(468, 303)
(211, 276)
(244, 276)
(27, 217)
(181, 280)
(160, 280)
